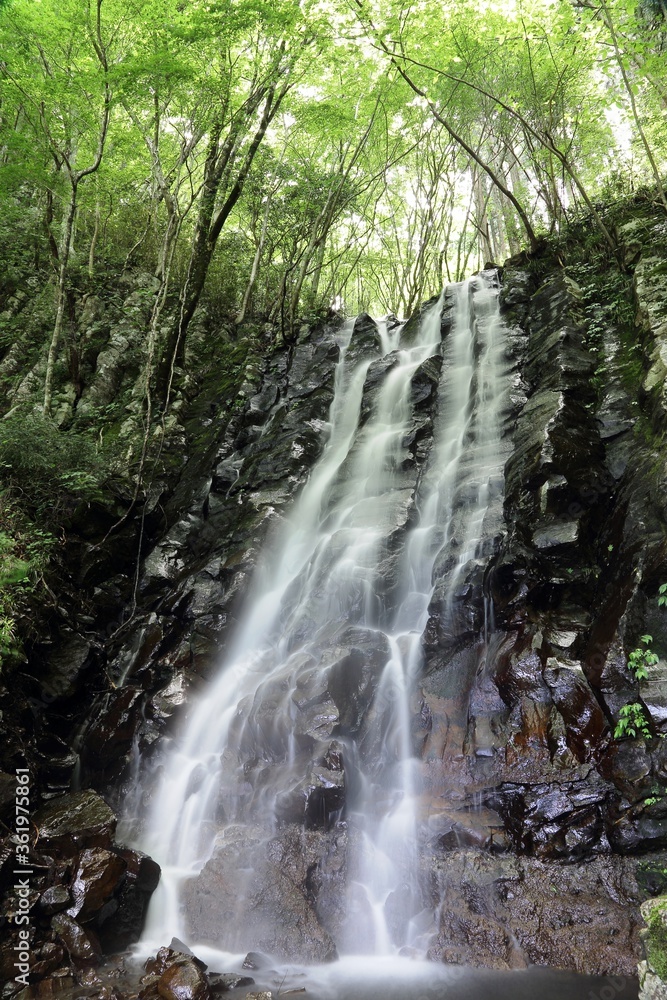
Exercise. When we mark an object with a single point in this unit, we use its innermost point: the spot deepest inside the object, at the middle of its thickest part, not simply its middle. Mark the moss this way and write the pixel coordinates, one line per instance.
(656, 938)
(652, 874)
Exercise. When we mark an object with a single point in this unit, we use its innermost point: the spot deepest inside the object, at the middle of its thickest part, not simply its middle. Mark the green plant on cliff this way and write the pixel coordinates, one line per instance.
(25, 551)
(46, 470)
(632, 722)
(13, 572)
(640, 660)
(45, 475)
(632, 719)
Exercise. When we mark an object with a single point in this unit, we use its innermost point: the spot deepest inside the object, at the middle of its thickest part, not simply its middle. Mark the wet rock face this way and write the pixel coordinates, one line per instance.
(529, 719)
(88, 896)
(508, 912)
(280, 893)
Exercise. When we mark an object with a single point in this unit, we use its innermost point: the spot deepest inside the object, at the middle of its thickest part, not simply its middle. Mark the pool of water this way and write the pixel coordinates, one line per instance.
(389, 978)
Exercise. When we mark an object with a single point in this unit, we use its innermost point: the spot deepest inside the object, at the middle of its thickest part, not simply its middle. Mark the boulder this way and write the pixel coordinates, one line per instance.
(82, 945)
(96, 879)
(183, 980)
(254, 890)
(73, 820)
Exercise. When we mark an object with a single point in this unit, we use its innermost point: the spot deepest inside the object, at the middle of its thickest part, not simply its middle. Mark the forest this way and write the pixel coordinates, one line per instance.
(278, 158)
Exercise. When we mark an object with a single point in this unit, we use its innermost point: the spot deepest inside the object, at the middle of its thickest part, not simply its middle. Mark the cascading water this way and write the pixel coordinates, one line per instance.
(322, 615)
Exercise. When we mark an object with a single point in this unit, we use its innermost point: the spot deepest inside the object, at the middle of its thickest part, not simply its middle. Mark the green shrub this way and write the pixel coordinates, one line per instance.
(640, 659)
(46, 467)
(44, 474)
(25, 551)
(632, 722)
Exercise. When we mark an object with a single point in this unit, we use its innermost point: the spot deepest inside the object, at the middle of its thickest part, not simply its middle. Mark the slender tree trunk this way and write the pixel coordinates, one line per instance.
(317, 236)
(240, 316)
(94, 238)
(209, 226)
(633, 105)
(61, 295)
(48, 220)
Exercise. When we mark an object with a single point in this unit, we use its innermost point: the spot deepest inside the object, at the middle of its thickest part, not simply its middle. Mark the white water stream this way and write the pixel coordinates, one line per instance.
(321, 577)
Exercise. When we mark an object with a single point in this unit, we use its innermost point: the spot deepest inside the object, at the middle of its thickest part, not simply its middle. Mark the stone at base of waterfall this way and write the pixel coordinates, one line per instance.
(255, 960)
(222, 982)
(175, 974)
(183, 981)
(499, 910)
(256, 891)
(651, 987)
(264, 995)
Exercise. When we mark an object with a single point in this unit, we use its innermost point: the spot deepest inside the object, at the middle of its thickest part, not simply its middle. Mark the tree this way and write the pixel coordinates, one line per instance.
(62, 76)
(245, 96)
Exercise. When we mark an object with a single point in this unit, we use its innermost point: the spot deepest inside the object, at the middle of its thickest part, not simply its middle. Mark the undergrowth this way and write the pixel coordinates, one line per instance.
(45, 475)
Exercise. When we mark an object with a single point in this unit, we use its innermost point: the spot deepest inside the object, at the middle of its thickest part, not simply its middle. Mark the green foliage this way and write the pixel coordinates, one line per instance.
(632, 722)
(45, 473)
(357, 192)
(49, 469)
(640, 659)
(25, 550)
(662, 595)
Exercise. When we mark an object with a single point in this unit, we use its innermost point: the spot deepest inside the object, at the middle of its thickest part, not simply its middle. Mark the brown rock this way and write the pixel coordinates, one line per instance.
(54, 899)
(183, 980)
(81, 945)
(97, 877)
(47, 958)
(75, 819)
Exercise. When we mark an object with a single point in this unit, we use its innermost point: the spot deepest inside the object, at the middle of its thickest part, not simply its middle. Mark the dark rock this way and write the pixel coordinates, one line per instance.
(54, 899)
(222, 982)
(156, 965)
(75, 819)
(576, 702)
(315, 801)
(97, 877)
(130, 901)
(46, 959)
(66, 665)
(516, 287)
(81, 944)
(183, 980)
(365, 338)
(255, 960)
(7, 792)
(576, 917)
(254, 887)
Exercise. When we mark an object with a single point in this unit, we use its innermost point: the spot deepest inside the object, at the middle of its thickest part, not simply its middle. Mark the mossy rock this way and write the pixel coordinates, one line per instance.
(654, 912)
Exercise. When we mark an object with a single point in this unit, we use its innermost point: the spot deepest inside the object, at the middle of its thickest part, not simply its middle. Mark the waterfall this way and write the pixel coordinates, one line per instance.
(341, 599)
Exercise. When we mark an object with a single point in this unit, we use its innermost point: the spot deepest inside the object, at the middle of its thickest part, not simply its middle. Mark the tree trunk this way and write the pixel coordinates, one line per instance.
(210, 225)
(61, 295)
